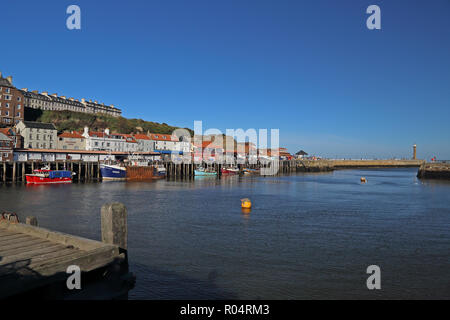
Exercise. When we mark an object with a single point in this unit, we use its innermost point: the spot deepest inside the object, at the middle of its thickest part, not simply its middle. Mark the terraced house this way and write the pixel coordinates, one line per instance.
(37, 135)
(6, 148)
(71, 141)
(11, 103)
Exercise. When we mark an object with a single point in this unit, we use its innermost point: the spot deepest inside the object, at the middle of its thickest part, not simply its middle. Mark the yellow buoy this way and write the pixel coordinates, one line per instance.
(363, 180)
(246, 203)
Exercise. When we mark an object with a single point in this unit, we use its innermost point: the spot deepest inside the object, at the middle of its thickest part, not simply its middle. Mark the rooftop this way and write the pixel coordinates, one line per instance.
(39, 125)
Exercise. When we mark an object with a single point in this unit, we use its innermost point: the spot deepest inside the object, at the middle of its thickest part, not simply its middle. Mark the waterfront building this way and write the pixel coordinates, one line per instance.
(71, 141)
(11, 103)
(37, 135)
(163, 142)
(167, 142)
(107, 141)
(11, 133)
(6, 148)
(145, 144)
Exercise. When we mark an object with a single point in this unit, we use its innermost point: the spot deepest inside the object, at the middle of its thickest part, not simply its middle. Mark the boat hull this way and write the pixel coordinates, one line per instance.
(229, 171)
(202, 173)
(33, 179)
(113, 173)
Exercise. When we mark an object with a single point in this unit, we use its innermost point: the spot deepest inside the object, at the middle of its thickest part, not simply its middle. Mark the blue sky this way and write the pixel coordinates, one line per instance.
(310, 68)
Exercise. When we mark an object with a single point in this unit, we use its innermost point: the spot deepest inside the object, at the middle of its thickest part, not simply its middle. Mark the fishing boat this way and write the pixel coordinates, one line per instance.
(159, 172)
(113, 172)
(248, 171)
(230, 171)
(47, 176)
(204, 172)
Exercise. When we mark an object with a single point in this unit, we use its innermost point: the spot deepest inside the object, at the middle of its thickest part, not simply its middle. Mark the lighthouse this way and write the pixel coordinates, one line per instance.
(414, 152)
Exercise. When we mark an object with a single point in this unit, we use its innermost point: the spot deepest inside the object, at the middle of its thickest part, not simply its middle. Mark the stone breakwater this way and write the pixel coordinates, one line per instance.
(434, 171)
(330, 165)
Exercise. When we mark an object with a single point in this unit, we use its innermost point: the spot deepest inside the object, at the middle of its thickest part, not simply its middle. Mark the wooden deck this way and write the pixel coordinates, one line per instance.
(32, 257)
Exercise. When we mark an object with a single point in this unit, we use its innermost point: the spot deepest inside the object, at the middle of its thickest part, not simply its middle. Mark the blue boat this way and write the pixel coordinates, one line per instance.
(113, 172)
(202, 172)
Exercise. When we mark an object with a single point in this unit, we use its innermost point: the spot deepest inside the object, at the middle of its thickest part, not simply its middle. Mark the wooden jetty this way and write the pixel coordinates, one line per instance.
(34, 260)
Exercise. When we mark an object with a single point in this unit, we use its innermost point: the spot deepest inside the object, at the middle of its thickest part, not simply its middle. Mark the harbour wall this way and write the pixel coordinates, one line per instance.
(376, 163)
(434, 171)
(330, 165)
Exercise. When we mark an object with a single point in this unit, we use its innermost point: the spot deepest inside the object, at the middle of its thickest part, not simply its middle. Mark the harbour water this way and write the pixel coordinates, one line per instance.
(307, 236)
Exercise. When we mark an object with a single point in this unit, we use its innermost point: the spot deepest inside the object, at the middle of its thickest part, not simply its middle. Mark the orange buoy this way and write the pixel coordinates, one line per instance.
(246, 203)
(363, 180)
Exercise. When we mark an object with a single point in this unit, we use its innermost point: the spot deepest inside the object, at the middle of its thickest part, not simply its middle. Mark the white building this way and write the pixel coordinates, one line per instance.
(37, 135)
(167, 142)
(106, 141)
(145, 144)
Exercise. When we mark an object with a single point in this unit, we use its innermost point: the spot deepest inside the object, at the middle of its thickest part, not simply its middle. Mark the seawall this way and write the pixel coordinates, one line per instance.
(330, 165)
(434, 171)
(376, 163)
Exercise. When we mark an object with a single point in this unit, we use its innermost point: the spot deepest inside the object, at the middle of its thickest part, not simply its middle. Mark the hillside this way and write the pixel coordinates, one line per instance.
(76, 121)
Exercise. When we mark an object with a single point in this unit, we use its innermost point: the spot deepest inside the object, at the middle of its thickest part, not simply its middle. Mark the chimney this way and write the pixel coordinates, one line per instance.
(86, 131)
(9, 79)
(35, 91)
(71, 99)
(95, 101)
(55, 95)
(83, 100)
(24, 89)
(64, 97)
(107, 131)
(45, 93)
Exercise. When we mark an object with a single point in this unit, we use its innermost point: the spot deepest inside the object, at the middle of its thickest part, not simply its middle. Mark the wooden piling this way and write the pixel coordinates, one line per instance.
(114, 224)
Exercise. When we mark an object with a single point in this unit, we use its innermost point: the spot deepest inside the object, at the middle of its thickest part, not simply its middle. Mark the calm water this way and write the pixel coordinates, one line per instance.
(307, 236)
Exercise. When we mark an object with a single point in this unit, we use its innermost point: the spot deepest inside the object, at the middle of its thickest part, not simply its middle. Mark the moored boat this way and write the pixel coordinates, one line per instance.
(230, 171)
(113, 172)
(47, 176)
(204, 172)
(159, 172)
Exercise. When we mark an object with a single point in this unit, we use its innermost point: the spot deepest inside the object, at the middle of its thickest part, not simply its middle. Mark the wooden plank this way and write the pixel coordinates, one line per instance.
(10, 236)
(23, 246)
(40, 252)
(4, 232)
(82, 243)
(44, 274)
(4, 242)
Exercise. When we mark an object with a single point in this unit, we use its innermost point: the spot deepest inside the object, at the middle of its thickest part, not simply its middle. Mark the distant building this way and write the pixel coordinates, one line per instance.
(37, 135)
(71, 141)
(45, 101)
(11, 102)
(6, 148)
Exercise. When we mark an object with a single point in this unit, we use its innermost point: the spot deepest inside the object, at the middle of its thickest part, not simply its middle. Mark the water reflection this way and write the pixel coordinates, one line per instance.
(318, 232)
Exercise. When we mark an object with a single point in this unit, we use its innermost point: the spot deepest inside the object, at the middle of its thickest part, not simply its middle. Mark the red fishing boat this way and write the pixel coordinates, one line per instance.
(47, 176)
(230, 171)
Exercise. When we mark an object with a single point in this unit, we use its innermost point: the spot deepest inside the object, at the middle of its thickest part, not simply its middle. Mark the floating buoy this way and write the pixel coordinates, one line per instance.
(246, 203)
(363, 180)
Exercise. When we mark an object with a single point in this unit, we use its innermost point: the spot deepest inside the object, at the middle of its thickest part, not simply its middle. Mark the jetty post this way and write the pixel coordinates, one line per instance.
(114, 225)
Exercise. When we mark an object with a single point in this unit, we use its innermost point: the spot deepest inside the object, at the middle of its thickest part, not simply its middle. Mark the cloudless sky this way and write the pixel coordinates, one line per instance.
(309, 68)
